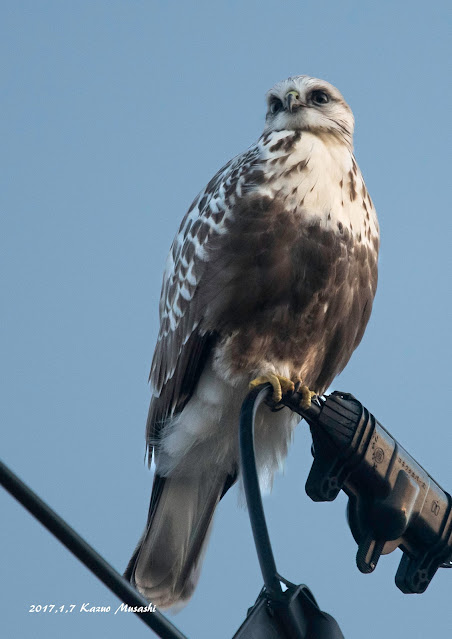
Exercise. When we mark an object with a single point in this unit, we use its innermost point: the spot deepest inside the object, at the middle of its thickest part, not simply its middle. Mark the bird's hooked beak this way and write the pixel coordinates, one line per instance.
(293, 101)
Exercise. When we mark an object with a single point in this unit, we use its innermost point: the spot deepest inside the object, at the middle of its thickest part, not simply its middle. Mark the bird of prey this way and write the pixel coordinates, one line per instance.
(271, 277)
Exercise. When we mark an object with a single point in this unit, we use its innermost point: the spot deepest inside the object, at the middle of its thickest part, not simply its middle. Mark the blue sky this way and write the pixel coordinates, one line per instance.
(114, 115)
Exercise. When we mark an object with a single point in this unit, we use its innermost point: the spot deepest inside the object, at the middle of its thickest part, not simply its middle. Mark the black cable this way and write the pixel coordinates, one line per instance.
(293, 613)
(252, 490)
(86, 553)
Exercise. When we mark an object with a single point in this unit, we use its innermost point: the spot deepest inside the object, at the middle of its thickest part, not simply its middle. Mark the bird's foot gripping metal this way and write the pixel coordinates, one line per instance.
(306, 395)
(280, 385)
(284, 386)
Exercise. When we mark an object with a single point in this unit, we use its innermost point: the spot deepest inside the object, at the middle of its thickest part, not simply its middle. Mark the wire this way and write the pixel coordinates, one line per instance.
(252, 490)
(86, 554)
(294, 612)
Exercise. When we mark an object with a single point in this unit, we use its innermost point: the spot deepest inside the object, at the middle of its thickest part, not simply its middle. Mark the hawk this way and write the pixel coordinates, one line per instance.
(271, 277)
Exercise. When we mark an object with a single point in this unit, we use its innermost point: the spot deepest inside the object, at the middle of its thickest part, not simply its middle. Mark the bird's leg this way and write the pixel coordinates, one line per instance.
(280, 384)
(305, 392)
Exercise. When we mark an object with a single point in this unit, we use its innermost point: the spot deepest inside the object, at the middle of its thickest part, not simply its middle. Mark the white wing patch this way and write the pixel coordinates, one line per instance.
(207, 216)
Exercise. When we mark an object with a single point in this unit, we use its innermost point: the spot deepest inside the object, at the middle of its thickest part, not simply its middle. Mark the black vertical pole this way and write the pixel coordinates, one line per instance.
(252, 490)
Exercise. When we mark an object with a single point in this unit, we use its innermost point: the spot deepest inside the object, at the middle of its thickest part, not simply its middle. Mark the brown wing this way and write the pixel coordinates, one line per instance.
(184, 340)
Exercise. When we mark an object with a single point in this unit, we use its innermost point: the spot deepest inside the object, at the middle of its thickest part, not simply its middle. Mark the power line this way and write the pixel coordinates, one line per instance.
(388, 507)
(86, 554)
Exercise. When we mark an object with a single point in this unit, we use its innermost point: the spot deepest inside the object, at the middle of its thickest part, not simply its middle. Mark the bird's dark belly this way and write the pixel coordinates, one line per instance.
(295, 292)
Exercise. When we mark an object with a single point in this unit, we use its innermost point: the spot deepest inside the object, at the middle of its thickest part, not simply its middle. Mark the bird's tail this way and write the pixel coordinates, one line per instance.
(166, 564)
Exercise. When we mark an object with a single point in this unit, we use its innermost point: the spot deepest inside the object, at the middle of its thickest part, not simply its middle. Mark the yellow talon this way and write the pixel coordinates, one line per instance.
(306, 396)
(305, 392)
(280, 384)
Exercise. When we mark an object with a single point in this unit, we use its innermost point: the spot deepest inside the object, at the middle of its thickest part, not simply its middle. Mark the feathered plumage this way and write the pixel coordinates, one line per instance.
(274, 269)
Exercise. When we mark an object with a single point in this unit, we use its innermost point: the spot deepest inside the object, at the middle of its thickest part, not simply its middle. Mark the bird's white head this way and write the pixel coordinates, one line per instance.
(309, 104)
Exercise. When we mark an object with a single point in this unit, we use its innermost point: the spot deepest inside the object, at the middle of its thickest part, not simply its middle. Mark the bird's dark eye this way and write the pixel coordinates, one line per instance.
(276, 105)
(320, 97)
